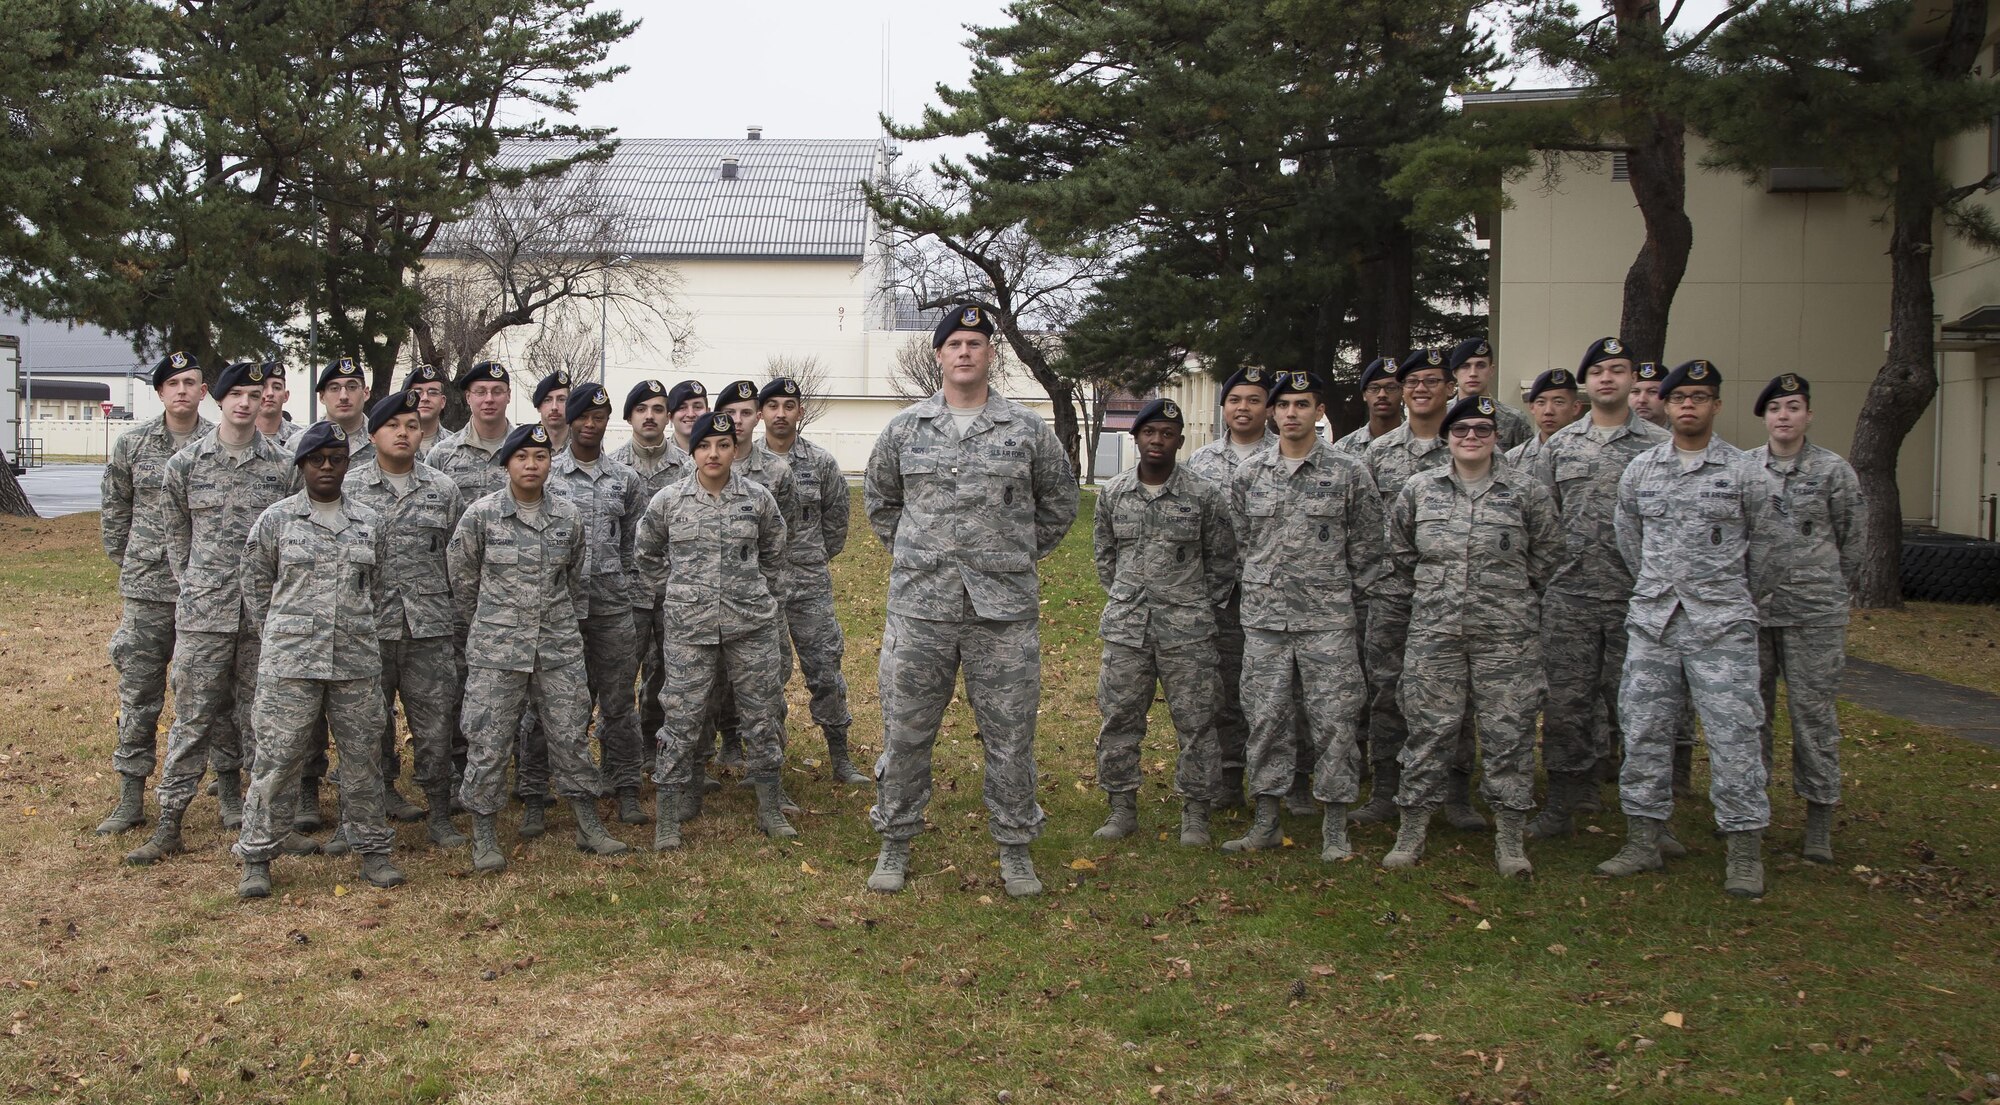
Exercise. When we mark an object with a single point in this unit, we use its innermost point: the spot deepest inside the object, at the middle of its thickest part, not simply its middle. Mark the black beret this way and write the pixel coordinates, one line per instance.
(584, 398)
(389, 406)
(320, 435)
(710, 424)
(1472, 406)
(735, 391)
(241, 374)
(1299, 380)
(172, 365)
(274, 370)
(1650, 372)
(964, 317)
(1468, 349)
(642, 391)
(340, 368)
(1699, 373)
(1603, 349)
(521, 437)
(1555, 379)
(1419, 358)
(1251, 376)
(1791, 383)
(1377, 369)
(684, 392)
(485, 372)
(784, 387)
(423, 374)
(554, 380)
(1159, 410)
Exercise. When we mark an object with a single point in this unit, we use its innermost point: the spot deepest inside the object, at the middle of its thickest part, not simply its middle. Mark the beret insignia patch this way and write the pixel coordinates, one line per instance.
(255, 375)
(969, 316)
(724, 424)
(1482, 350)
(1170, 410)
(653, 386)
(1613, 346)
(178, 360)
(539, 436)
(600, 399)
(1250, 375)
(1698, 371)
(410, 400)
(1433, 358)
(1484, 406)
(1788, 382)
(337, 434)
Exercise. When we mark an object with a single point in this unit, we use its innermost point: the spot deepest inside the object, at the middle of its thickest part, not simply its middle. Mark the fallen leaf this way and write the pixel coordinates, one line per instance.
(1558, 949)
(807, 868)
(614, 899)
(1288, 842)
(339, 890)
(233, 999)
(1080, 863)
(306, 1062)
(184, 1076)
(986, 899)
(1427, 1037)
(1321, 969)
(1673, 1020)
(1484, 926)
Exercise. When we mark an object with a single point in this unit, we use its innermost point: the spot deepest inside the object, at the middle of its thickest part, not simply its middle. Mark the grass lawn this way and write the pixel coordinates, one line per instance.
(1956, 643)
(743, 970)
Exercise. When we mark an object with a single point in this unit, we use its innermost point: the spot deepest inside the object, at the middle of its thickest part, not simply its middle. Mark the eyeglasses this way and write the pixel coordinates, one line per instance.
(1374, 390)
(1679, 398)
(1480, 430)
(1423, 383)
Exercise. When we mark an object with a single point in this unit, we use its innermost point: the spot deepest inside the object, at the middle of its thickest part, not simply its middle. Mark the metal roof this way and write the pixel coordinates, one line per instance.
(790, 198)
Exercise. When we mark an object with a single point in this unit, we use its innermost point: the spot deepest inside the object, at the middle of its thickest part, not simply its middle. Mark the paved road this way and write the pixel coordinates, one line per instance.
(1972, 714)
(59, 489)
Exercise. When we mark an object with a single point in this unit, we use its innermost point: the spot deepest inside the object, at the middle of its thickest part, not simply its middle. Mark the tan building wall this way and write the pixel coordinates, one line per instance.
(1776, 282)
(1966, 278)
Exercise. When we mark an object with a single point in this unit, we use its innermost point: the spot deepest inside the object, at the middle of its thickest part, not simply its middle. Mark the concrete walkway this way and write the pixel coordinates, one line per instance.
(1972, 714)
(59, 489)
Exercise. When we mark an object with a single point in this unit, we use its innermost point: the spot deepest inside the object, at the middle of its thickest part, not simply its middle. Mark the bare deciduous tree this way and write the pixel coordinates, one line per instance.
(810, 373)
(550, 252)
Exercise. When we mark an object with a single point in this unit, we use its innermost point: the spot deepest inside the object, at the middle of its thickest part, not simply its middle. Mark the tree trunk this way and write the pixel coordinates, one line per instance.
(1657, 162)
(13, 500)
(1399, 289)
(1901, 391)
(1060, 389)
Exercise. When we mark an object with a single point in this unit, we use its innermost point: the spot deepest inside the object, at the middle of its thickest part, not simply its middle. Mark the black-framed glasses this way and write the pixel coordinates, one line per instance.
(1480, 430)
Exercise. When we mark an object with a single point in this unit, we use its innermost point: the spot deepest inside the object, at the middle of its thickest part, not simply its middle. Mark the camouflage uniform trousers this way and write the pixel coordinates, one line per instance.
(1716, 669)
(1583, 653)
(284, 717)
(423, 672)
(491, 713)
(921, 661)
(817, 640)
(1811, 659)
(1187, 674)
(140, 651)
(1382, 647)
(651, 625)
(1319, 669)
(215, 684)
(1231, 733)
(610, 663)
(722, 715)
(754, 666)
(1499, 683)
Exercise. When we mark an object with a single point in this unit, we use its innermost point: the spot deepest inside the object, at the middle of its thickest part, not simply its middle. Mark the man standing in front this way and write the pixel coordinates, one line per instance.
(1553, 403)
(1697, 526)
(818, 536)
(1473, 364)
(134, 527)
(1166, 557)
(1311, 530)
(1245, 395)
(1804, 625)
(968, 489)
(343, 391)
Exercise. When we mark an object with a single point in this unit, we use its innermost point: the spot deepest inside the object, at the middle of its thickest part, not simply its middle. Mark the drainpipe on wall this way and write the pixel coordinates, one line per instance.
(1937, 450)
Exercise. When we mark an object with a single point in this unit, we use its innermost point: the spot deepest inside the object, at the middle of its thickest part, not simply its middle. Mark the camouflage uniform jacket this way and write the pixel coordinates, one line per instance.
(468, 465)
(1524, 455)
(134, 525)
(714, 560)
(287, 430)
(821, 529)
(1474, 566)
(965, 517)
(416, 527)
(1396, 456)
(1311, 539)
(316, 592)
(774, 473)
(517, 584)
(1217, 462)
(1821, 558)
(360, 447)
(1583, 476)
(658, 469)
(209, 506)
(1701, 540)
(612, 502)
(1166, 559)
(1355, 442)
(1512, 427)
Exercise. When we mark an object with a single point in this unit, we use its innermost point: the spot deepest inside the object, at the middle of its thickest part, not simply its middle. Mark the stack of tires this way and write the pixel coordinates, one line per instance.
(1941, 567)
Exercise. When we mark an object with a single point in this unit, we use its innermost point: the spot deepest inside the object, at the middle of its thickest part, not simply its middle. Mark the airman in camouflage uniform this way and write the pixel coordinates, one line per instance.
(1473, 365)
(1804, 623)
(660, 464)
(134, 529)
(819, 536)
(1584, 602)
(466, 457)
(1382, 395)
(1471, 543)
(312, 582)
(1554, 403)
(967, 490)
(1166, 557)
(1310, 526)
(343, 393)
(213, 491)
(417, 509)
(713, 547)
(1245, 394)
(611, 498)
(551, 399)
(272, 421)
(1697, 526)
(1415, 446)
(516, 564)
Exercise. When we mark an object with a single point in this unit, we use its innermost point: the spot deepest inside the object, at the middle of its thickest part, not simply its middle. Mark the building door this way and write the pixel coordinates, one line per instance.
(1989, 457)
